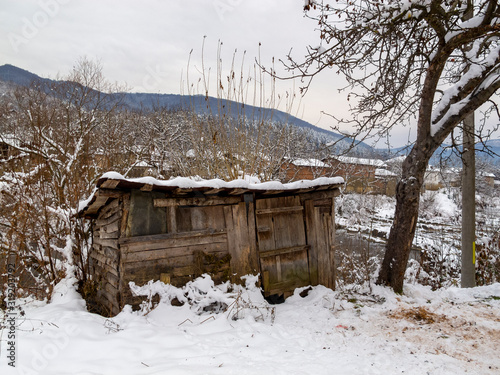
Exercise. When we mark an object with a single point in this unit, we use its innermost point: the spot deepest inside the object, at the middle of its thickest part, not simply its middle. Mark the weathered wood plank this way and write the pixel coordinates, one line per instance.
(171, 242)
(111, 235)
(286, 250)
(94, 208)
(172, 219)
(278, 210)
(273, 192)
(265, 239)
(289, 229)
(253, 256)
(172, 252)
(242, 245)
(109, 193)
(312, 241)
(102, 260)
(320, 194)
(283, 250)
(111, 208)
(238, 191)
(111, 227)
(283, 287)
(110, 289)
(111, 299)
(329, 254)
(323, 248)
(174, 242)
(213, 191)
(147, 187)
(107, 242)
(323, 202)
(112, 279)
(106, 267)
(125, 212)
(153, 270)
(196, 201)
(265, 281)
(332, 247)
(110, 184)
(108, 252)
(101, 222)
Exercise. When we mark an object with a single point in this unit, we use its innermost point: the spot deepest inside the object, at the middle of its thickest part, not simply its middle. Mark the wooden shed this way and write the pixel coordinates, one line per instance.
(145, 229)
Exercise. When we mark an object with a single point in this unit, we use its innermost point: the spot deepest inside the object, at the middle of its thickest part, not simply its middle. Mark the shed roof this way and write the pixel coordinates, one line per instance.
(360, 161)
(181, 187)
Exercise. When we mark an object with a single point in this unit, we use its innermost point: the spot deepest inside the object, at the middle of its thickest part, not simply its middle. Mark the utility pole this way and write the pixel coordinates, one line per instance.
(468, 279)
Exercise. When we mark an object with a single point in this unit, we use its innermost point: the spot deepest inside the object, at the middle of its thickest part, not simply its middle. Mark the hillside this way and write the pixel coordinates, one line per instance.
(147, 101)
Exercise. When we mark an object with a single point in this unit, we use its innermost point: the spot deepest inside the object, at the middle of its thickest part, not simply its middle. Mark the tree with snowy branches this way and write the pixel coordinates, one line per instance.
(410, 60)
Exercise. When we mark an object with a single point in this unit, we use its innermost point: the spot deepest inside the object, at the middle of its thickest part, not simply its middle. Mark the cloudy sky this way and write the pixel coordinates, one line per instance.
(146, 44)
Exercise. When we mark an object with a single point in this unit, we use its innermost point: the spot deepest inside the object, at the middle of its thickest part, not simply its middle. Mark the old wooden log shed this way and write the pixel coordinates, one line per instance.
(176, 230)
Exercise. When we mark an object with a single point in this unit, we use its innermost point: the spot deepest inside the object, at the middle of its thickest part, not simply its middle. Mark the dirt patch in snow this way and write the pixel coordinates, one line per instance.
(457, 331)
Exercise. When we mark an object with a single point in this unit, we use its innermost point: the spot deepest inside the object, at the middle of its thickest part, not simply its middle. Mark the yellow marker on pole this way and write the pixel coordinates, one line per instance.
(474, 252)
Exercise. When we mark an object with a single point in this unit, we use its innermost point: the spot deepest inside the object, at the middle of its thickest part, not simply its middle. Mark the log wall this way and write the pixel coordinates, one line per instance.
(105, 255)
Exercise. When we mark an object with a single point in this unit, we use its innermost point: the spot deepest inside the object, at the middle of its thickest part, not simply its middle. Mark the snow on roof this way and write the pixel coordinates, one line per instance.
(397, 159)
(361, 161)
(142, 164)
(185, 185)
(381, 172)
(189, 183)
(310, 163)
(486, 174)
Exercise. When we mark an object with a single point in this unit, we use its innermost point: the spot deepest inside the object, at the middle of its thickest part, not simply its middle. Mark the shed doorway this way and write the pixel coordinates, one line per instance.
(282, 245)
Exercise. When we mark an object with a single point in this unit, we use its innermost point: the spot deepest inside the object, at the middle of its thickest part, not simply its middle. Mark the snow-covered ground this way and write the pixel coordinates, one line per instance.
(451, 331)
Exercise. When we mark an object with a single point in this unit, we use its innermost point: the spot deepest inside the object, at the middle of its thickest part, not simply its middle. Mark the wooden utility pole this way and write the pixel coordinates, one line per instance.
(468, 279)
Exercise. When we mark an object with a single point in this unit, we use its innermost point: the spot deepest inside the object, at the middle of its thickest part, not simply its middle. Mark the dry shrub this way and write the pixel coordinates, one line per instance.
(355, 267)
(488, 261)
(420, 315)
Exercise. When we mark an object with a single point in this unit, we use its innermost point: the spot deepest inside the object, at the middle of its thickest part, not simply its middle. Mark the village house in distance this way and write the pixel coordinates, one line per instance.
(145, 229)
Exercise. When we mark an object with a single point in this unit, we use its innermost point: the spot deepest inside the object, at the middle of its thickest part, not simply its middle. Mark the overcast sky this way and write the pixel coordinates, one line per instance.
(146, 44)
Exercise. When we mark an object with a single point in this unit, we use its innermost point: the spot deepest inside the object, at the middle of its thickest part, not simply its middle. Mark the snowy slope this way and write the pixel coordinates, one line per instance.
(450, 331)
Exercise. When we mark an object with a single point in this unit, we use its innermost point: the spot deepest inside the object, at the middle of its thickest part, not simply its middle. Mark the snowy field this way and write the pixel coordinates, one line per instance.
(225, 330)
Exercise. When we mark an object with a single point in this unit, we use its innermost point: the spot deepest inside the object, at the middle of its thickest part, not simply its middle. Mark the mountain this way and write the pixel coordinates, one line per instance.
(488, 152)
(147, 101)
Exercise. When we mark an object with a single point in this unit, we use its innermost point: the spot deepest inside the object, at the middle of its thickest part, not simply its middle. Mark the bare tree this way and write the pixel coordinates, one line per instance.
(53, 130)
(408, 60)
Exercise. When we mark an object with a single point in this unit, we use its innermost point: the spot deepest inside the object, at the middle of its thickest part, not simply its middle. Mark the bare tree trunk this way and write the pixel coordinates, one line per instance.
(405, 220)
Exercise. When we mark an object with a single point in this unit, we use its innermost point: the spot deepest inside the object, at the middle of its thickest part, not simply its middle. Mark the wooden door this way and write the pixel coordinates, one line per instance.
(283, 252)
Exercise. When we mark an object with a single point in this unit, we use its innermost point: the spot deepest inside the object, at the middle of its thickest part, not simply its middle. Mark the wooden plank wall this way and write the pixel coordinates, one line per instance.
(106, 255)
(282, 244)
(241, 237)
(288, 239)
(320, 228)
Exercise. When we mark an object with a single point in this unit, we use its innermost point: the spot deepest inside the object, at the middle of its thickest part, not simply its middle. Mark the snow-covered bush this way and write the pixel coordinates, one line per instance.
(438, 266)
(440, 205)
(355, 267)
(204, 297)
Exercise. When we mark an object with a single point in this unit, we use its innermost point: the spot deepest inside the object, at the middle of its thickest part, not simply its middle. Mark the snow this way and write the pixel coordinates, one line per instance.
(361, 161)
(310, 163)
(450, 331)
(380, 172)
(251, 184)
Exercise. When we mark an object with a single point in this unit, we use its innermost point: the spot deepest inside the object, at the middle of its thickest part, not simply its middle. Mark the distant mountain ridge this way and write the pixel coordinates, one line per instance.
(10, 74)
(201, 105)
